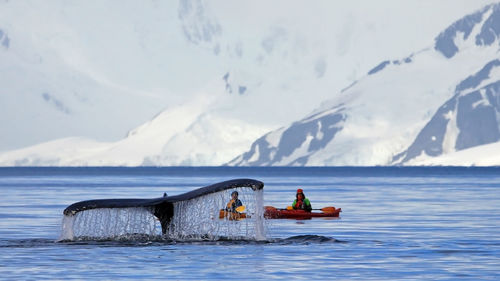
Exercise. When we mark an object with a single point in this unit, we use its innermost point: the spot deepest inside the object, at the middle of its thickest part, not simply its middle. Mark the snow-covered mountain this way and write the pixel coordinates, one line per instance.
(468, 119)
(482, 155)
(76, 77)
(188, 134)
(433, 102)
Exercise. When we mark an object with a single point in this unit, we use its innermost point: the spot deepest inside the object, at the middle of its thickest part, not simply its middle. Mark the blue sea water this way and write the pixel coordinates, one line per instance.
(397, 223)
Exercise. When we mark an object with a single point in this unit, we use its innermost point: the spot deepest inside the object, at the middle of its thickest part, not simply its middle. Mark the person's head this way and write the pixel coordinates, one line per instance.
(300, 194)
(234, 195)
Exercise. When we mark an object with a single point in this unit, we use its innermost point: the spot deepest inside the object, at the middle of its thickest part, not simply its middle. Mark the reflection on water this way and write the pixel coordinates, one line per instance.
(146, 240)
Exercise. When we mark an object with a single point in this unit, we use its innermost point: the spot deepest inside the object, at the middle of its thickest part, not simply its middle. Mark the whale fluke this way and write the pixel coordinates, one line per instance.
(161, 207)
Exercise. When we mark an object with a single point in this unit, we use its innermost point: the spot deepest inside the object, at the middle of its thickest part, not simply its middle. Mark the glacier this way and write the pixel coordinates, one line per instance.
(200, 81)
(435, 101)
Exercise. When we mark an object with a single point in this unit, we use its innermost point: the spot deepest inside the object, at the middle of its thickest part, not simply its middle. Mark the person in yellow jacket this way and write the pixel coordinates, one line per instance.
(234, 202)
(301, 202)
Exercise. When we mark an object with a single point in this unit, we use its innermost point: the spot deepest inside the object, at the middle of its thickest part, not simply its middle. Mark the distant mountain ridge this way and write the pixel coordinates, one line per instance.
(409, 109)
(465, 117)
(469, 118)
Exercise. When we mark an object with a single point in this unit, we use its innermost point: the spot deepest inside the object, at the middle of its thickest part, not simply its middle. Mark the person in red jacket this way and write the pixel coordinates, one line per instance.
(301, 202)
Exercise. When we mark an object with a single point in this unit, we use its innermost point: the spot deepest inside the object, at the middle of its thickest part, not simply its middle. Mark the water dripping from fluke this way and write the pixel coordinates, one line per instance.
(194, 215)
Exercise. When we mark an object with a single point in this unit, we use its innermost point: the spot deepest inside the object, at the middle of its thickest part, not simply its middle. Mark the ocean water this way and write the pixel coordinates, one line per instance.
(398, 223)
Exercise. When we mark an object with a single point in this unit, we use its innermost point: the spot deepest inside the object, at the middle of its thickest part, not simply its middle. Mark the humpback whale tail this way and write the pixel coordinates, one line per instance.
(190, 214)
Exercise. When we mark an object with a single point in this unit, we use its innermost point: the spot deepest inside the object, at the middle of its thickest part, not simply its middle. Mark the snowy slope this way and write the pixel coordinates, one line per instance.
(381, 115)
(468, 119)
(88, 72)
(188, 134)
(96, 69)
(482, 155)
(51, 85)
